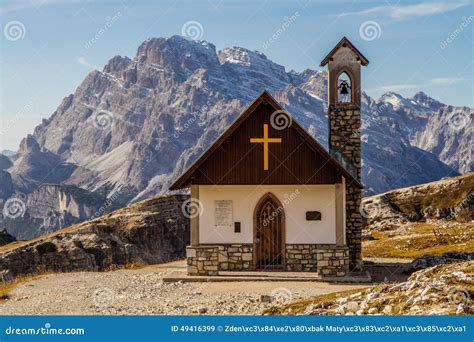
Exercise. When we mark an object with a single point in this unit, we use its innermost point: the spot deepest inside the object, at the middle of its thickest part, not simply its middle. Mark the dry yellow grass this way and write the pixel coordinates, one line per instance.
(419, 239)
(299, 306)
(16, 244)
(8, 287)
(128, 266)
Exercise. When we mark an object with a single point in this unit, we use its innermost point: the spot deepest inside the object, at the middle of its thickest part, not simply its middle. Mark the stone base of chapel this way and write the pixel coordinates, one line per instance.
(328, 260)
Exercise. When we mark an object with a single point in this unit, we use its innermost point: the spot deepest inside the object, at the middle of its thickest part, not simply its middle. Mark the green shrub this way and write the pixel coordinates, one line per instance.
(46, 247)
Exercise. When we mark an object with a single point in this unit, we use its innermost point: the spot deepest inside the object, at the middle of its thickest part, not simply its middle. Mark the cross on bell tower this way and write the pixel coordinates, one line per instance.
(344, 117)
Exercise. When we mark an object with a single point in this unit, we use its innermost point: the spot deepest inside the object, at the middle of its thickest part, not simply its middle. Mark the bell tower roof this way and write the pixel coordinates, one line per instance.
(345, 43)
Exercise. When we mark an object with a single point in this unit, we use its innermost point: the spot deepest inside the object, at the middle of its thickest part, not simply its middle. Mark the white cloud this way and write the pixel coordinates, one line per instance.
(445, 81)
(439, 82)
(17, 5)
(83, 61)
(423, 9)
(395, 87)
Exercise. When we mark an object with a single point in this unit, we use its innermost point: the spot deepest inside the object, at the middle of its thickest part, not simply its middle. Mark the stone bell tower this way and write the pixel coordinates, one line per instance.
(344, 92)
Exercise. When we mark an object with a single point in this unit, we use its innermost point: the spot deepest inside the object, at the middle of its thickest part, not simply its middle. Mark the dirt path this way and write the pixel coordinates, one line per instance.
(141, 292)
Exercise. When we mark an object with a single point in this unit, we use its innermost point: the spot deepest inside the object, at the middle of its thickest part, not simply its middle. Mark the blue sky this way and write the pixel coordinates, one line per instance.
(411, 45)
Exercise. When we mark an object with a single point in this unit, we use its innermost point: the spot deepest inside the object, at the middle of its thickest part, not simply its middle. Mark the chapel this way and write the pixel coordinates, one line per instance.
(267, 196)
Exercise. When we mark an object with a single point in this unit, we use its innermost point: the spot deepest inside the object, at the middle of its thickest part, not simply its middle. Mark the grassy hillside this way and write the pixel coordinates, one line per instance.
(432, 218)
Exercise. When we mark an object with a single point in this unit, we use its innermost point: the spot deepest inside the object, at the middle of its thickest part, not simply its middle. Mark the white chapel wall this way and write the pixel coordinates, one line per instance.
(296, 199)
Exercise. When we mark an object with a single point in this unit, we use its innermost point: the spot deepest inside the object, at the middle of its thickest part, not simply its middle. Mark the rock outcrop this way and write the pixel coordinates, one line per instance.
(6, 185)
(450, 199)
(35, 166)
(151, 231)
(427, 261)
(5, 238)
(5, 162)
(52, 206)
(432, 218)
(448, 135)
(440, 290)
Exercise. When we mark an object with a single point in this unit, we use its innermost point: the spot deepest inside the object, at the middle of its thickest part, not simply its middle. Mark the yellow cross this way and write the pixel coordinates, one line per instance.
(265, 140)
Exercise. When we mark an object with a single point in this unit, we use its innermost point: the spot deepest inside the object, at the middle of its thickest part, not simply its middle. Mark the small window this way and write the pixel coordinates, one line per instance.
(344, 88)
(236, 227)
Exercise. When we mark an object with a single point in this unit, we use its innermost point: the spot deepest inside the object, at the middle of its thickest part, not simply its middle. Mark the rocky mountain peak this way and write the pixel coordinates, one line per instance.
(253, 71)
(117, 64)
(254, 60)
(242, 56)
(29, 144)
(177, 53)
(423, 99)
(395, 99)
(5, 162)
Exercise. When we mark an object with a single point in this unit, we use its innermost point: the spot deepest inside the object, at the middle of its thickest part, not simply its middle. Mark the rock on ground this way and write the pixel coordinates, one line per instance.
(440, 290)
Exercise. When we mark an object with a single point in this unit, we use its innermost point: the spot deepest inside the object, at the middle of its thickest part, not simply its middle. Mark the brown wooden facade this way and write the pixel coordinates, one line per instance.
(234, 159)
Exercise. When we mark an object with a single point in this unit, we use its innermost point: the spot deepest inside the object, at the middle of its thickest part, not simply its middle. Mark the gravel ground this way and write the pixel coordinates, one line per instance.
(142, 292)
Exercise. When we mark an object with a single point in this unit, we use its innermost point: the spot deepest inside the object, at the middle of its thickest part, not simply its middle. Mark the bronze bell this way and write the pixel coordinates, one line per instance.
(344, 88)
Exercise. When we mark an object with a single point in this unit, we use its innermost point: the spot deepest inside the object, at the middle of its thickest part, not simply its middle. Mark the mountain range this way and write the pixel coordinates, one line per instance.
(129, 130)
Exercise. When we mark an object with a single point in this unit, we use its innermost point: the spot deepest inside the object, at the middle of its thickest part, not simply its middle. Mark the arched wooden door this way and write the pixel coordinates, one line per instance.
(269, 233)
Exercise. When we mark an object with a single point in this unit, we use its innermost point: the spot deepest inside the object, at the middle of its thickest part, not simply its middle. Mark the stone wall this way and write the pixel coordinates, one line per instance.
(354, 226)
(209, 260)
(203, 260)
(333, 262)
(345, 145)
(300, 257)
(236, 257)
(327, 260)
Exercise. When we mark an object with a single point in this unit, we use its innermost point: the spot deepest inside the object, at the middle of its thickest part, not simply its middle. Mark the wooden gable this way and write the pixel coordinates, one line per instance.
(346, 43)
(294, 157)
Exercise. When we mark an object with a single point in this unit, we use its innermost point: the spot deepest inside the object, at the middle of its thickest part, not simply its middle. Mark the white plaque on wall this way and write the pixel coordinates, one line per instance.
(223, 213)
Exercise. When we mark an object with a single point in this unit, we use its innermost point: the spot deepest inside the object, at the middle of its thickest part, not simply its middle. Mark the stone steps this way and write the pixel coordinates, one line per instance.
(353, 278)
